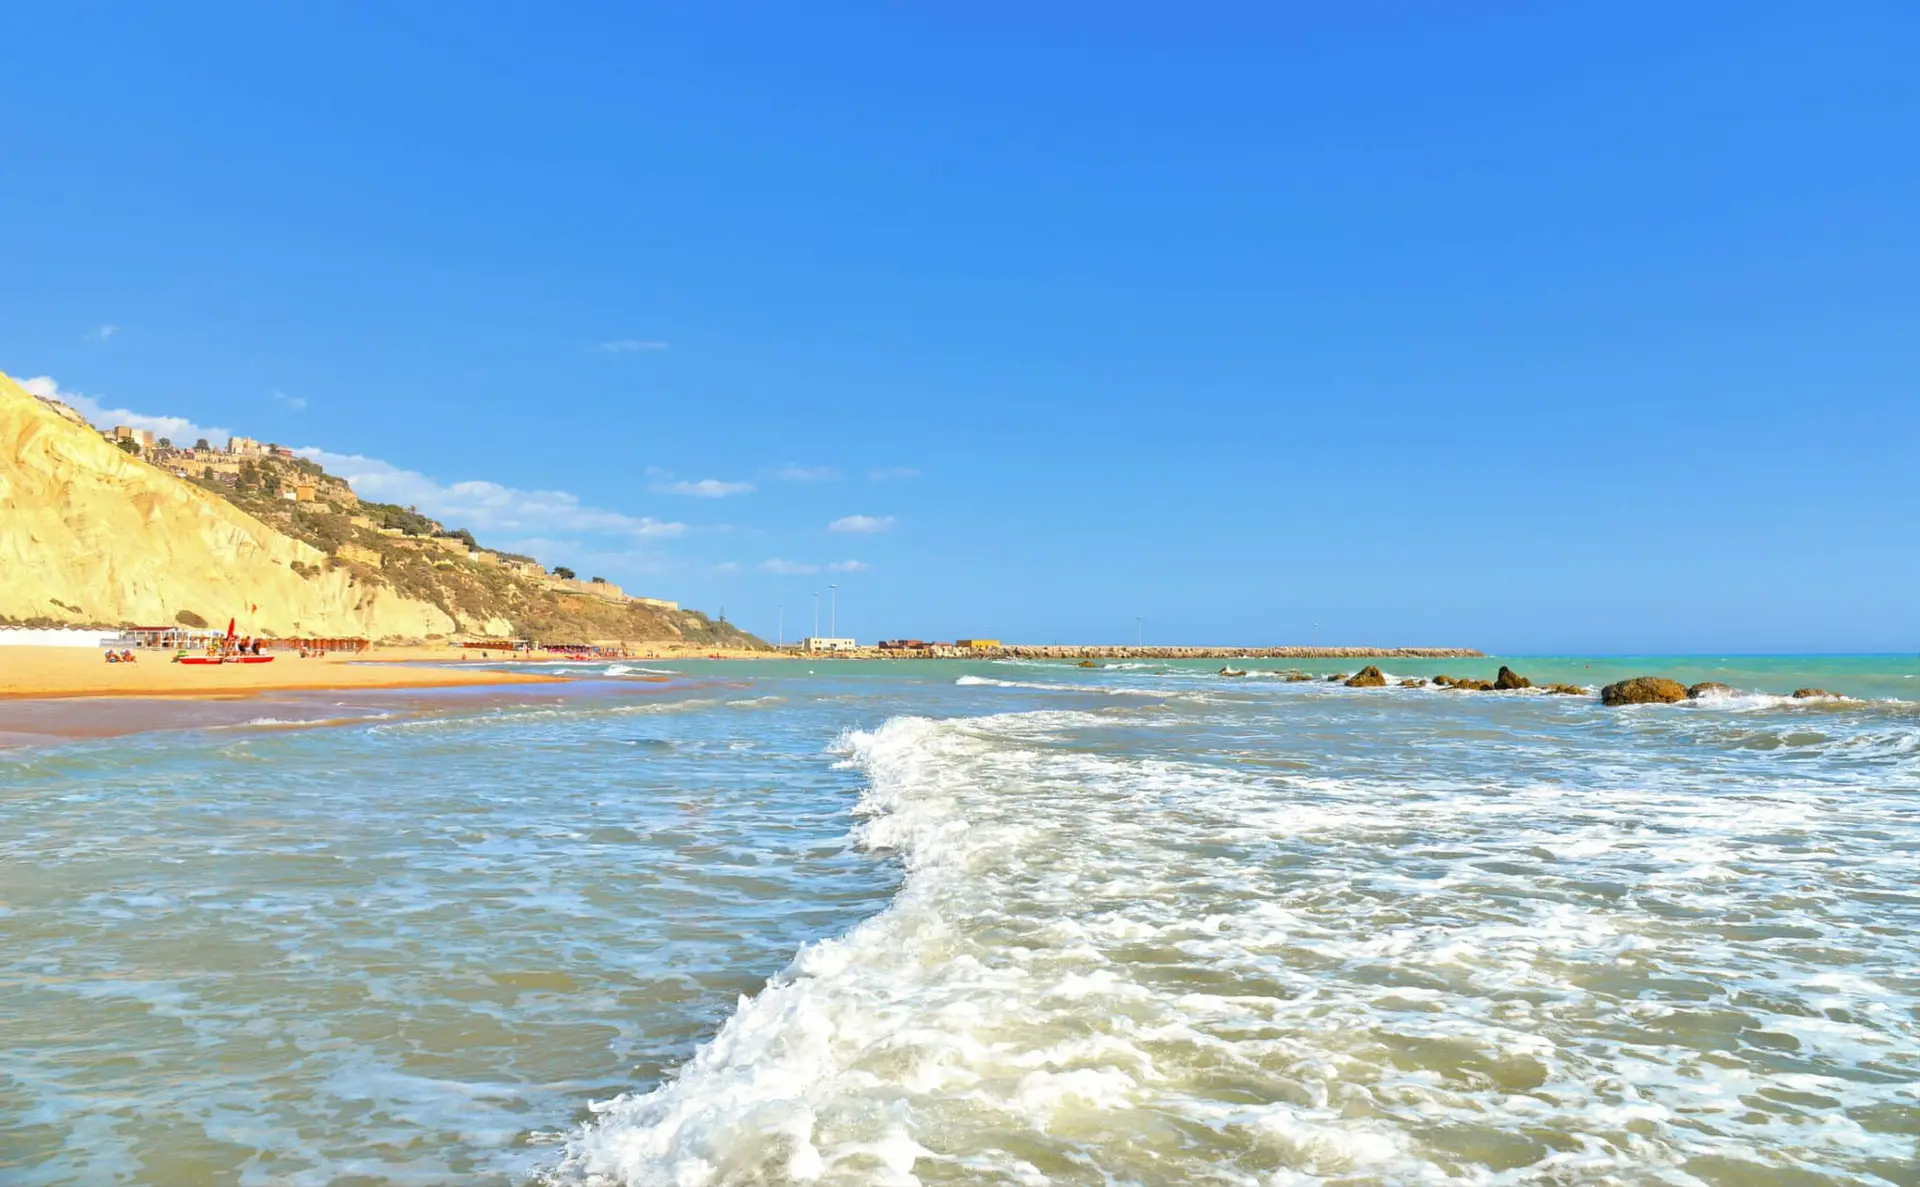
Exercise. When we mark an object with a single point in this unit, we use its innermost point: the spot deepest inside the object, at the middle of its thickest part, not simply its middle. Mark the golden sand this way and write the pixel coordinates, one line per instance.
(84, 672)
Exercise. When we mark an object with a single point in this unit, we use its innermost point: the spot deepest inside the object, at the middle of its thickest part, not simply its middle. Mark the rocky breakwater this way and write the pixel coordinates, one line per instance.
(1056, 651)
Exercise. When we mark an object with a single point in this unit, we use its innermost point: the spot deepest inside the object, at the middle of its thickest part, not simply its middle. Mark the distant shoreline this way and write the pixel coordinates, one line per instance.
(1102, 651)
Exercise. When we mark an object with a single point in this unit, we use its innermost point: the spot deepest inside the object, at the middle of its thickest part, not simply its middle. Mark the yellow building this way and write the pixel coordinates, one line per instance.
(978, 644)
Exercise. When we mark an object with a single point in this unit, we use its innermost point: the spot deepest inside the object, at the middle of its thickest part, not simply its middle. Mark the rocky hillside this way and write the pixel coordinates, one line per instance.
(91, 535)
(108, 538)
(488, 592)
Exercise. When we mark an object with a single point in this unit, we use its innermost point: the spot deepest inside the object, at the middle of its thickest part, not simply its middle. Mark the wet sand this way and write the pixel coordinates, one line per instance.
(31, 721)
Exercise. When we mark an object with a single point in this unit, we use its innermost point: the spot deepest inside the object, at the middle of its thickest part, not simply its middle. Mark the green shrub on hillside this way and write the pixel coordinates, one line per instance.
(405, 519)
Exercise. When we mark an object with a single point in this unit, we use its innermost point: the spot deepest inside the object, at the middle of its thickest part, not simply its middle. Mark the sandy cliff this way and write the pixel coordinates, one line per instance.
(89, 534)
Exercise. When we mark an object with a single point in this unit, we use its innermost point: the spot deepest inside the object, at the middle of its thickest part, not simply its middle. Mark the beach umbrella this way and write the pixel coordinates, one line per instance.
(229, 628)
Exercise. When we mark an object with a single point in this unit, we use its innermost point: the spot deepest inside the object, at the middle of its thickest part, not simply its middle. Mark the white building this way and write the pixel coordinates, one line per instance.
(816, 643)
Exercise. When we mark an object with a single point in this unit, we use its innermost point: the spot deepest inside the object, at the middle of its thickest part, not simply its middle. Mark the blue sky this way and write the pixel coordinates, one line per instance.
(1548, 330)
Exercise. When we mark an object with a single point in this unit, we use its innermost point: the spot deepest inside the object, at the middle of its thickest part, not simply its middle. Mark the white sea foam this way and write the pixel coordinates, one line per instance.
(1128, 968)
(1736, 700)
(1040, 686)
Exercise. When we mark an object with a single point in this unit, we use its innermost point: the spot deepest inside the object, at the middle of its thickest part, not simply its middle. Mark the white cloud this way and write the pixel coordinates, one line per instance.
(802, 568)
(727, 567)
(787, 568)
(486, 506)
(706, 488)
(106, 332)
(631, 345)
(892, 473)
(862, 523)
(796, 473)
(294, 402)
(176, 428)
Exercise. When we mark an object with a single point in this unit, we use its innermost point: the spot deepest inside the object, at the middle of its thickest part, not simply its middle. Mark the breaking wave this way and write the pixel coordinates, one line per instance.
(1124, 967)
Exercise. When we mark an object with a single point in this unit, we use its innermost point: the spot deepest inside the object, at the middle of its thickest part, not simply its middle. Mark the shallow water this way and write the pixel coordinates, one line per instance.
(1140, 924)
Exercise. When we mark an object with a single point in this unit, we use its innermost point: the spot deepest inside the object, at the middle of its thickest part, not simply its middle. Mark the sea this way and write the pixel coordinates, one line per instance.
(920, 922)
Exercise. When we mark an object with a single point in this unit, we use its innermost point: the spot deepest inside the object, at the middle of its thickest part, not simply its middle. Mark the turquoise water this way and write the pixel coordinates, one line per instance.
(1024, 923)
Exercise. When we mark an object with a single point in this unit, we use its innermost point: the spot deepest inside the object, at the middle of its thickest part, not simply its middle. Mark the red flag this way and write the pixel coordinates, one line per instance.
(229, 628)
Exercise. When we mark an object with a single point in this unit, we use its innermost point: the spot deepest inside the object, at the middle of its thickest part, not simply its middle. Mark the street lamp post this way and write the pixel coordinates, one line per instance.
(833, 609)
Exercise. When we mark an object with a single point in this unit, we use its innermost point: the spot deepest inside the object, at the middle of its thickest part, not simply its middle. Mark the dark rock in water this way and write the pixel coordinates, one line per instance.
(1445, 681)
(1470, 685)
(1803, 694)
(1340, 679)
(1644, 690)
(1566, 690)
(1413, 682)
(1368, 677)
(1297, 677)
(1708, 687)
(1508, 680)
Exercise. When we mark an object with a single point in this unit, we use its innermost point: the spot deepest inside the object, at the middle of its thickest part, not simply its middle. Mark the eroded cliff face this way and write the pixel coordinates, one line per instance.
(90, 534)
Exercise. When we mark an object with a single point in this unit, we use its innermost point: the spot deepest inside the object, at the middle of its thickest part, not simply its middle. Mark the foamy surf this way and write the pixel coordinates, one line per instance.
(1247, 937)
(1359, 981)
(1043, 686)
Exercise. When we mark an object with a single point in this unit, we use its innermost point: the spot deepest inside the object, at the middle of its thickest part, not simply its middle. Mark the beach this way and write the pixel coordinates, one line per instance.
(43, 672)
(1004, 922)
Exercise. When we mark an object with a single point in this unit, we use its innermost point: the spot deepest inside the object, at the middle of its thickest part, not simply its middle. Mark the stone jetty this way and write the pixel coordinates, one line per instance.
(1098, 652)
